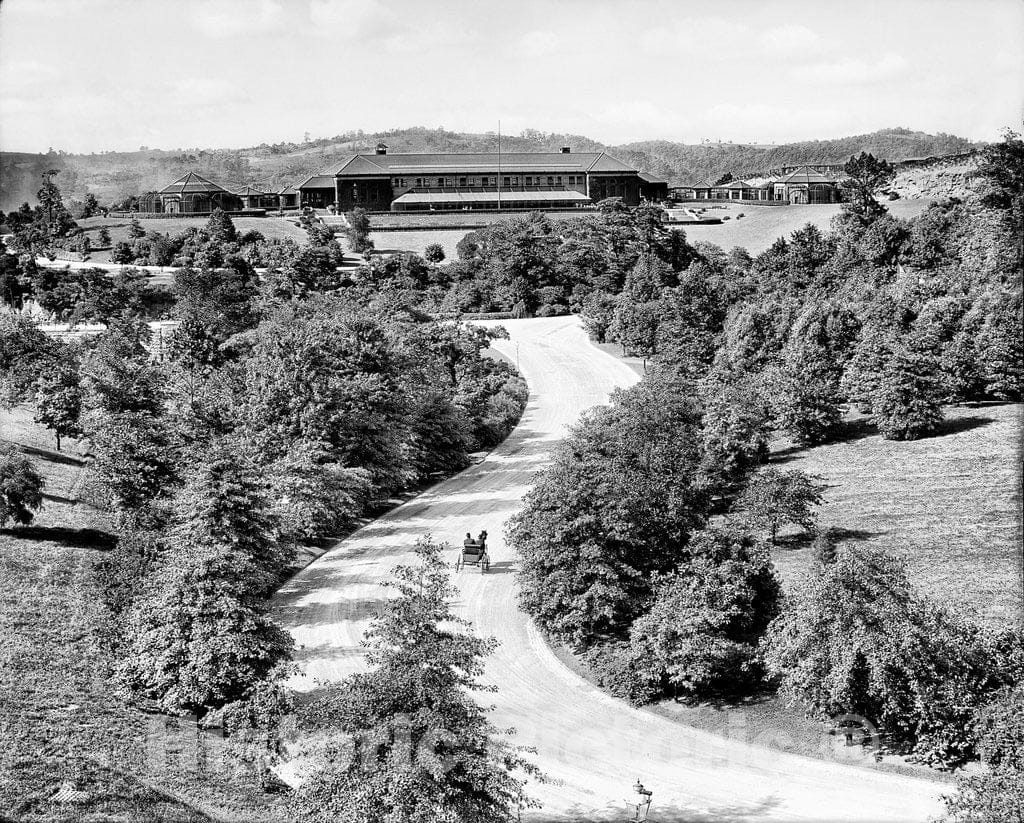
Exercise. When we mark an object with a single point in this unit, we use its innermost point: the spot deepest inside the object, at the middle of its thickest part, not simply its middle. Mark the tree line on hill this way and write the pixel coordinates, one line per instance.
(645, 544)
(113, 176)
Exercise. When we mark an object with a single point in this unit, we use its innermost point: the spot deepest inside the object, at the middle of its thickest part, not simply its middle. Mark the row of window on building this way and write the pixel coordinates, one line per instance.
(484, 180)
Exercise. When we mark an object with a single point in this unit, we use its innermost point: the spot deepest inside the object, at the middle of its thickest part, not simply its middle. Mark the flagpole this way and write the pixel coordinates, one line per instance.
(499, 165)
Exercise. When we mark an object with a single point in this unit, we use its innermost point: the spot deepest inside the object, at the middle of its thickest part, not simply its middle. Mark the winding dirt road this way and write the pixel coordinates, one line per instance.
(592, 746)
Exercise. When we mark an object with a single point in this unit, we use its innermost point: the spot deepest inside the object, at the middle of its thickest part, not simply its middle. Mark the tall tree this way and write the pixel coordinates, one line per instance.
(203, 637)
(616, 505)
(423, 749)
(865, 176)
(58, 396)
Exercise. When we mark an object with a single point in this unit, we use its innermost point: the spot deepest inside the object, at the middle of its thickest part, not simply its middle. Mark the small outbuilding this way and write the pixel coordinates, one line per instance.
(807, 185)
(194, 194)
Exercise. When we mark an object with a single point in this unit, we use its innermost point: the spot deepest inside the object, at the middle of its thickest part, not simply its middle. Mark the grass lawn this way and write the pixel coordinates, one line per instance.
(390, 242)
(61, 719)
(949, 504)
(270, 227)
(761, 226)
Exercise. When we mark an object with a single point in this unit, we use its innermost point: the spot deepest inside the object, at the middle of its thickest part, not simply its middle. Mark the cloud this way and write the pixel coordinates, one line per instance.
(205, 91)
(791, 36)
(690, 35)
(539, 43)
(354, 20)
(238, 18)
(855, 71)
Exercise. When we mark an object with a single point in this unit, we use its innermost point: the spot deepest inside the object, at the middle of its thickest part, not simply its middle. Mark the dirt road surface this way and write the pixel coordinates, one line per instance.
(591, 746)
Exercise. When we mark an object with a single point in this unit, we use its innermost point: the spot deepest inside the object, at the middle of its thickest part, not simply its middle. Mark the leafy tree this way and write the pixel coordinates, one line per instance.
(616, 505)
(58, 395)
(25, 351)
(1002, 168)
(122, 253)
(211, 308)
(15, 279)
(855, 638)
(808, 395)
(691, 317)
(313, 497)
(773, 498)
(997, 795)
(1000, 346)
(135, 230)
(329, 373)
(736, 426)
(865, 176)
(598, 315)
(434, 253)
(423, 749)
(220, 227)
(908, 401)
(702, 630)
(21, 487)
(358, 230)
(134, 460)
(104, 237)
(119, 376)
(203, 637)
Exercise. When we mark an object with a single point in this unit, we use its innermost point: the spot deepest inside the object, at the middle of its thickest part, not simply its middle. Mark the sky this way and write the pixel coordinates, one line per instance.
(95, 75)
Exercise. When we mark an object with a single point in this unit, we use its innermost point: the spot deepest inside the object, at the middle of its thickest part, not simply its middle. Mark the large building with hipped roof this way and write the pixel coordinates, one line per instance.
(481, 181)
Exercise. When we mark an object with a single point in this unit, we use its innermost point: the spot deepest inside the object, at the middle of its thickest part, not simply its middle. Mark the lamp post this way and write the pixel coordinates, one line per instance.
(641, 801)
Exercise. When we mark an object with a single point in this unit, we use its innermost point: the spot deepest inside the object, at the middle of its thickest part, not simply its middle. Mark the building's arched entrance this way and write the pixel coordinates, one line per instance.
(798, 196)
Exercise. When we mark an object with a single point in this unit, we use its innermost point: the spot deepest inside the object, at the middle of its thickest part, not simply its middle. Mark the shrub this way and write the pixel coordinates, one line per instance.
(855, 638)
(21, 487)
(702, 631)
(614, 667)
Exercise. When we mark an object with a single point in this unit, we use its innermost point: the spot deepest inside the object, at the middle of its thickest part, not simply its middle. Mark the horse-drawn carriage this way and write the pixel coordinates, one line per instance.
(474, 553)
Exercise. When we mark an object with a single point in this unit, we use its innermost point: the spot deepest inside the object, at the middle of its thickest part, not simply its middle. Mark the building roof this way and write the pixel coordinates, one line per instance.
(509, 197)
(700, 184)
(192, 183)
(255, 190)
(733, 184)
(317, 181)
(650, 178)
(479, 163)
(805, 174)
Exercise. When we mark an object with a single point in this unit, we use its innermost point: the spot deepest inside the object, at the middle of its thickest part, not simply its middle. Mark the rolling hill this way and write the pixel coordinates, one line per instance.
(112, 175)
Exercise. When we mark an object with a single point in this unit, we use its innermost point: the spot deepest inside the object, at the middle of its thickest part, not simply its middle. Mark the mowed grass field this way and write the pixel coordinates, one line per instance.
(761, 226)
(950, 505)
(390, 242)
(270, 227)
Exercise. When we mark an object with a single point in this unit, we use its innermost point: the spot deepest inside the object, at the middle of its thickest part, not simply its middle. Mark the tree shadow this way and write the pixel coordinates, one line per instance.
(52, 456)
(71, 538)
(956, 425)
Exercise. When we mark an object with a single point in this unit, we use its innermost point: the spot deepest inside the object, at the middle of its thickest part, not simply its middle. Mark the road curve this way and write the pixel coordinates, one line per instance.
(590, 745)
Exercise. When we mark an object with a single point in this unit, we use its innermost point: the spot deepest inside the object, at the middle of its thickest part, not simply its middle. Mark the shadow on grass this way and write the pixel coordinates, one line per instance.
(52, 456)
(956, 425)
(802, 540)
(71, 538)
